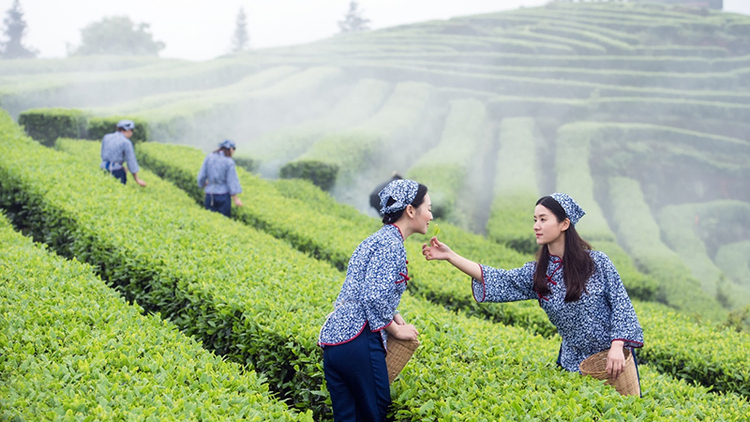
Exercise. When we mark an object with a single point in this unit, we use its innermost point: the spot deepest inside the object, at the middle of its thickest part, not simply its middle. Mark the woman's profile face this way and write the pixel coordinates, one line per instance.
(546, 227)
(423, 215)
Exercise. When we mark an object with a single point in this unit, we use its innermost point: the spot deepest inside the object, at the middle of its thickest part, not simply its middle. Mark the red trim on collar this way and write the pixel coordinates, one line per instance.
(399, 230)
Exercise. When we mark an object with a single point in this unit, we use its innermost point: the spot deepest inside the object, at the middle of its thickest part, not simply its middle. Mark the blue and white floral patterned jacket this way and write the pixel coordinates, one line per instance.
(603, 314)
(375, 280)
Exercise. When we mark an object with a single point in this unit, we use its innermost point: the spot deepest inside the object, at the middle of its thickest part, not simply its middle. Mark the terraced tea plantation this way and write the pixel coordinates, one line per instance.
(639, 111)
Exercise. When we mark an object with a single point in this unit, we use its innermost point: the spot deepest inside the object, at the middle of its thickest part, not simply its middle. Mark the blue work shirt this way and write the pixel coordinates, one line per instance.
(375, 280)
(117, 149)
(219, 171)
(589, 325)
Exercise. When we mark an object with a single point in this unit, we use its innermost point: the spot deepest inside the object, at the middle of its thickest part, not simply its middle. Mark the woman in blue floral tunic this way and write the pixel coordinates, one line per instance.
(355, 335)
(578, 288)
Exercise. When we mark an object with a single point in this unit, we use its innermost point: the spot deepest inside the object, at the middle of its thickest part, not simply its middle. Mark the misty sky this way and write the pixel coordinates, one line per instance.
(201, 30)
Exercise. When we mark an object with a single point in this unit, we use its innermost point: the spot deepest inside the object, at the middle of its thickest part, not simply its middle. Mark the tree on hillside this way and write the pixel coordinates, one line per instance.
(15, 29)
(117, 35)
(240, 39)
(353, 20)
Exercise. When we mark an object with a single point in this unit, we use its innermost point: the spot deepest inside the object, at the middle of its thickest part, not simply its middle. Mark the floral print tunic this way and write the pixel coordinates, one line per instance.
(375, 280)
(118, 149)
(220, 173)
(603, 314)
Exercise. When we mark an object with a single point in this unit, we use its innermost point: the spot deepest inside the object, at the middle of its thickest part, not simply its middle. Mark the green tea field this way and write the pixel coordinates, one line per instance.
(128, 303)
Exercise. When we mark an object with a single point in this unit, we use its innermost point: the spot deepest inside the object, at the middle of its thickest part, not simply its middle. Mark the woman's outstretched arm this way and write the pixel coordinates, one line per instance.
(440, 251)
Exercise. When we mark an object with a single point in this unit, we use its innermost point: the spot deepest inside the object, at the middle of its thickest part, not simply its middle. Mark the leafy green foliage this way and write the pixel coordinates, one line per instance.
(47, 124)
(72, 348)
(339, 228)
(100, 126)
(320, 174)
(445, 168)
(235, 288)
(516, 185)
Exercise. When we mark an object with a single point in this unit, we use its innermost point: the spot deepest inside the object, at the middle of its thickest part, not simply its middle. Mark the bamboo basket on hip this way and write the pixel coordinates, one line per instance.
(627, 383)
(399, 353)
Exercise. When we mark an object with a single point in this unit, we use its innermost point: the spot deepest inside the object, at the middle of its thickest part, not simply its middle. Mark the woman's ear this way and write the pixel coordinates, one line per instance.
(565, 224)
(410, 211)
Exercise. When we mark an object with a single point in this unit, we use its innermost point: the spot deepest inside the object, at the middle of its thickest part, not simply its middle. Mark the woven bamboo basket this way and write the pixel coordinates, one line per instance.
(626, 384)
(399, 352)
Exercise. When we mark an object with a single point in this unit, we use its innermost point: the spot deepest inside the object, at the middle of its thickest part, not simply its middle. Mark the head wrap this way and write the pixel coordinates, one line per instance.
(126, 124)
(403, 191)
(227, 144)
(572, 210)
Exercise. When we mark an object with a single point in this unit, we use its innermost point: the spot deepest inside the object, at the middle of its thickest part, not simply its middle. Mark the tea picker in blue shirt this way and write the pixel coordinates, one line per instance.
(355, 335)
(218, 179)
(117, 149)
(578, 288)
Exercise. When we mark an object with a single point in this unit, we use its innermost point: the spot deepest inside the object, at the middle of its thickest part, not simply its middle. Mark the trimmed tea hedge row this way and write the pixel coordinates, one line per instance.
(684, 228)
(78, 64)
(641, 237)
(198, 117)
(574, 177)
(77, 89)
(580, 47)
(575, 145)
(623, 100)
(72, 349)
(461, 43)
(678, 346)
(485, 365)
(631, 63)
(516, 185)
(734, 260)
(207, 302)
(88, 152)
(47, 124)
(618, 82)
(278, 208)
(277, 147)
(446, 168)
(437, 281)
(267, 209)
(371, 143)
(195, 267)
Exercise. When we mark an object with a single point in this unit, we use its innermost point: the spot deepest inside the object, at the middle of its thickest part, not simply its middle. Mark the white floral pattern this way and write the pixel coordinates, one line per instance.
(571, 207)
(403, 191)
(375, 280)
(603, 314)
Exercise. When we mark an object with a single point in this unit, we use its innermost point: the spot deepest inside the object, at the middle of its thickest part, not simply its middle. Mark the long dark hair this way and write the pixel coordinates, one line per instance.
(577, 265)
(418, 199)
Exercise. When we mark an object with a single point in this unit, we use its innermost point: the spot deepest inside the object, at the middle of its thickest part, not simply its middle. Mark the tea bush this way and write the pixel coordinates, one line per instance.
(72, 349)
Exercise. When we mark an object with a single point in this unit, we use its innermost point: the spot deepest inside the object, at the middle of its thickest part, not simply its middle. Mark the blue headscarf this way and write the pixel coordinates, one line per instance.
(227, 144)
(573, 211)
(403, 191)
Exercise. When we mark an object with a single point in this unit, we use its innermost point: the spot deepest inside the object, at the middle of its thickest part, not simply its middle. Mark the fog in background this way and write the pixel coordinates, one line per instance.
(200, 30)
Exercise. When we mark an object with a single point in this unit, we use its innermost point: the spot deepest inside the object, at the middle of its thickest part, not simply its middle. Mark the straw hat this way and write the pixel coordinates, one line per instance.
(399, 352)
(626, 384)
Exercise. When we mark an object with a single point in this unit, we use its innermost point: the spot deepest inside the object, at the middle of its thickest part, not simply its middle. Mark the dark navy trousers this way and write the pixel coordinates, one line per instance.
(120, 174)
(219, 203)
(357, 378)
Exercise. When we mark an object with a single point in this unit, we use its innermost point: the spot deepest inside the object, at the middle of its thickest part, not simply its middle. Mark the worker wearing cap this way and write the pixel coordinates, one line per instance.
(218, 179)
(118, 149)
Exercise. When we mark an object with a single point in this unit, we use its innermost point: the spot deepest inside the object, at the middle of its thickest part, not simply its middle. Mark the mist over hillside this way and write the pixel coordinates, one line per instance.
(640, 112)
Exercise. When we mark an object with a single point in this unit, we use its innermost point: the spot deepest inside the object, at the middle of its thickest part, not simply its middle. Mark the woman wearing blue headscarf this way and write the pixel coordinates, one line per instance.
(578, 288)
(218, 179)
(355, 335)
